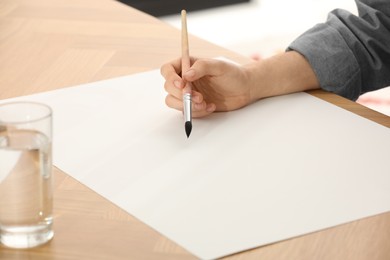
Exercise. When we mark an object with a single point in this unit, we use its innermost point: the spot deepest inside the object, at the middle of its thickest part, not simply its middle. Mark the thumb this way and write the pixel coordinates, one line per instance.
(202, 68)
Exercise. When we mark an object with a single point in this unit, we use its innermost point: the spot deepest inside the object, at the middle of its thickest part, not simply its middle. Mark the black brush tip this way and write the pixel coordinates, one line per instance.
(188, 127)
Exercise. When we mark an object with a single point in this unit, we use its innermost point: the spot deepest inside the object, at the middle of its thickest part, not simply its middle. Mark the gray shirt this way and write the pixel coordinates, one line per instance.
(350, 54)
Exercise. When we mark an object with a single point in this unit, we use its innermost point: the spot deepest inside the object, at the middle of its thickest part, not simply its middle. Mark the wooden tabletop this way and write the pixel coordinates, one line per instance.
(51, 44)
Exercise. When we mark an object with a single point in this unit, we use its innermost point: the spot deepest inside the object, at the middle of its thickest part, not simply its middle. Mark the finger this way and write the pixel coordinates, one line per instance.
(177, 103)
(210, 108)
(170, 72)
(174, 102)
(199, 106)
(198, 110)
(204, 67)
(197, 97)
(173, 67)
(173, 90)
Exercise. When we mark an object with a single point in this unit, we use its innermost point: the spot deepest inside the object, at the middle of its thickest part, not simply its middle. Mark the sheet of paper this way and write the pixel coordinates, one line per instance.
(279, 168)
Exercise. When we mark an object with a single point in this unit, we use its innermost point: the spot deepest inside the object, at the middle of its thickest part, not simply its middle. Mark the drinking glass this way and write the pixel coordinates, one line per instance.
(25, 174)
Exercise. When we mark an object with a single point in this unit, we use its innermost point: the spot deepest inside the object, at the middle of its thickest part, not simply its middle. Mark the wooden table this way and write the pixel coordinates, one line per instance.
(51, 44)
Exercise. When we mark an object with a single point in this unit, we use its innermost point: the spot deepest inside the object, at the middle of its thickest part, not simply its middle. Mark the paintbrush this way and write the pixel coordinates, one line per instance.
(185, 65)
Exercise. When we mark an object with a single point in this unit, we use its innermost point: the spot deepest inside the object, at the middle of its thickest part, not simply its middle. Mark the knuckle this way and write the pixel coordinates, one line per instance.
(162, 70)
(168, 101)
(166, 86)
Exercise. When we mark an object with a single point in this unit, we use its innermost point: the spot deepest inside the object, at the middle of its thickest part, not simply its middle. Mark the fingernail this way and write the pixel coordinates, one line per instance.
(177, 83)
(199, 106)
(196, 99)
(210, 107)
(190, 73)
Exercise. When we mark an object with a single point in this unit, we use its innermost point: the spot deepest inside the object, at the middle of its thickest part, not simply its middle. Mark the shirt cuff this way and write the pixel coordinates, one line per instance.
(333, 62)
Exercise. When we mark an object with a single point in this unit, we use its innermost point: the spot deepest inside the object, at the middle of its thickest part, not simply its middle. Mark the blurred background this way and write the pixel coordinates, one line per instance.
(256, 28)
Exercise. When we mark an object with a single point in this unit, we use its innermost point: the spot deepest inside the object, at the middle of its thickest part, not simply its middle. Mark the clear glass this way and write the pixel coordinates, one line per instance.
(25, 174)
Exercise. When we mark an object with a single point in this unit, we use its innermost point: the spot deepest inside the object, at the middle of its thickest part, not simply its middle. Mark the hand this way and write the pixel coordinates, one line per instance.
(222, 86)
(216, 86)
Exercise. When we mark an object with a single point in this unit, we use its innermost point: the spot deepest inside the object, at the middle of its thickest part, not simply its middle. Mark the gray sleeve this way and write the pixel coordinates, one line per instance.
(350, 54)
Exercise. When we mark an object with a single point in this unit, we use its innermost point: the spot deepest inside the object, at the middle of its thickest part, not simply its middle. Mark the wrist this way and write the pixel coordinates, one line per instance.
(261, 79)
(280, 74)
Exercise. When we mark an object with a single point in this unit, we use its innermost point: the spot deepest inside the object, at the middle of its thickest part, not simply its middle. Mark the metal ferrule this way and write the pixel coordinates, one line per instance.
(187, 109)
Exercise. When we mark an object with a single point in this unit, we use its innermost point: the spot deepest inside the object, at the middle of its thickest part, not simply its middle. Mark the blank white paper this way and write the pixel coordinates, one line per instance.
(279, 168)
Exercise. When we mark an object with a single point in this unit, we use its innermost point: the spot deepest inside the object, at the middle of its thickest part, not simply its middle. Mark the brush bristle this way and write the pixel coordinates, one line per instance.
(188, 127)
